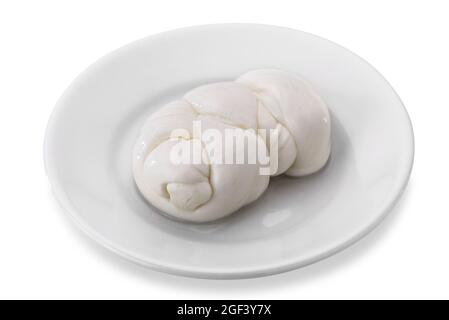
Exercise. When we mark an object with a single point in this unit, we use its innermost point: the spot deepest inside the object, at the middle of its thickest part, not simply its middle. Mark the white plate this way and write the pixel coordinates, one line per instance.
(297, 221)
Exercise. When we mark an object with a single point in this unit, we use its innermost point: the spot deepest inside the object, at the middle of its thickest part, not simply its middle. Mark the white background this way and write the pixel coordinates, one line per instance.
(44, 45)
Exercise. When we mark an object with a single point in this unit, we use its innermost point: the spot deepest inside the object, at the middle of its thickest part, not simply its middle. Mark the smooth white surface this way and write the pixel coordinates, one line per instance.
(296, 106)
(45, 46)
(92, 131)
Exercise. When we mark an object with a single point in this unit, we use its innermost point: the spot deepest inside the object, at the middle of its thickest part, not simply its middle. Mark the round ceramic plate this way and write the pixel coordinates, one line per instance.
(297, 221)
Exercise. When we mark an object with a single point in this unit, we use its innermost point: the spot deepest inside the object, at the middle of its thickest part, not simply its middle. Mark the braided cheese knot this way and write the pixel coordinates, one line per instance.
(213, 187)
